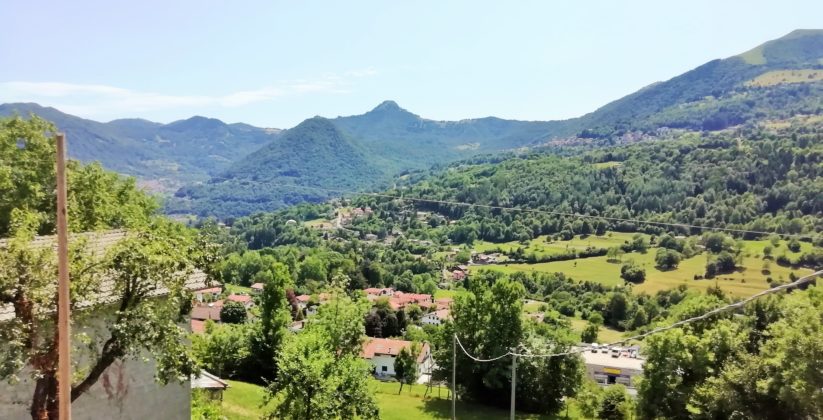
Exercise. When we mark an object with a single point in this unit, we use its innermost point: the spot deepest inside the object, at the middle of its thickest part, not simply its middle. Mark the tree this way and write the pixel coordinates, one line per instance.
(794, 245)
(320, 373)
(639, 243)
(614, 254)
(632, 272)
(617, 308)
(233, 313)
(589, 334)
(670, 374)
(667, 259)
(139, 267)
(267, 336)
(783, 378)
(726, 262)
(589, 399)
(615, 403)
(391, 327)
(488, 322)
(374, 325)
(405, 365)
(463, 256)
(223, 349)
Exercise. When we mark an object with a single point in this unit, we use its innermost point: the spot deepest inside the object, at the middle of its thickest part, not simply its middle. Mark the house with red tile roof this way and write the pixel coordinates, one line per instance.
(437, 317)
(443, 303)
(246, 300)
(208, 294)
(382, 352)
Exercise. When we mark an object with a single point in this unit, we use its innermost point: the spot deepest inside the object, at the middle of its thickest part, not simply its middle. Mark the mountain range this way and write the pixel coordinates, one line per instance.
(236, 169)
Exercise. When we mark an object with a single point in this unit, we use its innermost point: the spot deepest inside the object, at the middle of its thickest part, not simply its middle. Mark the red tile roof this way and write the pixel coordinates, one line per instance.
(387, 346)
(257, 286)
(203, 313)
(239, 298)
(213, 290)
(198, 326)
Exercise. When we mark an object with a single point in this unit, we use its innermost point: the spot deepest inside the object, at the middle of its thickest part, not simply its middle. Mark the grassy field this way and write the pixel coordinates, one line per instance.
(543, 246)
(744, 282)
(776, 77)
(442, 293)
(610, 164)
(606, 334)
(242, 402)
(412, 405)
(235, 288)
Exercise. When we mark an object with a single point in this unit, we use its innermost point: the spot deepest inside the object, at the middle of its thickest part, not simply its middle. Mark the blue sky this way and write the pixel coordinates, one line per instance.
(275, 63)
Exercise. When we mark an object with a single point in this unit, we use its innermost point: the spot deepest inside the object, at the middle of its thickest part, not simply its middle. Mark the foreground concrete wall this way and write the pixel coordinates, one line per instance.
(126, 391)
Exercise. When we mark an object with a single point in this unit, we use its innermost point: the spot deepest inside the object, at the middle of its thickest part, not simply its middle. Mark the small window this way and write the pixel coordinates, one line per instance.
(384, 368)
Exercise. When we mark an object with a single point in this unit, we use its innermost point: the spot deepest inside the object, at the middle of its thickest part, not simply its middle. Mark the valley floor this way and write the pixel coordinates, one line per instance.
(746, 281)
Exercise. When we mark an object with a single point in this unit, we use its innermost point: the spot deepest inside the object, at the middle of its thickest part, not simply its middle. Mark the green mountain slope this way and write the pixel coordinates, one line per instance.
(711, 97)
(717, 89)
(407, 140)
(163, 155)
(315, 154)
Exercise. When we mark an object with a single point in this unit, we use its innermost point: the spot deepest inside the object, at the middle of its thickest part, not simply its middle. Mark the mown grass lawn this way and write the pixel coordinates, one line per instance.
(543, 246)
(605, 335)
(451, 293)
(236, 288)
(744, 282)
(410, 404)
(242, 402)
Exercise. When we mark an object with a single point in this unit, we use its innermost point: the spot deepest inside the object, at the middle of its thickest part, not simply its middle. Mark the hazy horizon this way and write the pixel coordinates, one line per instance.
(525, 61)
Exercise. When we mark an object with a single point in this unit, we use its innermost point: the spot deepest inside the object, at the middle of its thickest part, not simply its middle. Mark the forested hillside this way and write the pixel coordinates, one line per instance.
(313, 155)
(162, 156)
(537, 253)
(715, 96)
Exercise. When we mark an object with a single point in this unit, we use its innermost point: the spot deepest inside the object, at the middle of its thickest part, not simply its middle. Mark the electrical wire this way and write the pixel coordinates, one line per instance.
(539, 211)
(735, 305)
(477, 359)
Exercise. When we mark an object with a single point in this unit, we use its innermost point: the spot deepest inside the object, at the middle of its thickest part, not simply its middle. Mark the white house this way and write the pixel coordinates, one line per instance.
(208, 295)
(436, 317)
(381, 353)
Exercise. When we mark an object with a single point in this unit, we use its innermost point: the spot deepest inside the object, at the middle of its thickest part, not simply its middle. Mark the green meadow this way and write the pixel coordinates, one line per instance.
(746, 281)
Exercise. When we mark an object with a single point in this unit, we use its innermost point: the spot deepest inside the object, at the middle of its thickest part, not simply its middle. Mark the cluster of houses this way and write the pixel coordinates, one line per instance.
(380, 352)
(209, 305)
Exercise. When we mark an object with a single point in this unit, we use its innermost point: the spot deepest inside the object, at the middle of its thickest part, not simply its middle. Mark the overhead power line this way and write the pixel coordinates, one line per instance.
(540, 211)
(735, 305)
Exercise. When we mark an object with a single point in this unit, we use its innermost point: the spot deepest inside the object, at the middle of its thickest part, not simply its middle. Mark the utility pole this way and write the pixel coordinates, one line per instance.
(63, 310)
(514, 381)
(454, 376)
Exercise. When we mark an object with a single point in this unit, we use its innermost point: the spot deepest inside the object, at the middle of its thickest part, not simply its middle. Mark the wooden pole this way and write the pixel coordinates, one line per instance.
(514, 383)
(63, 311)
(454, 377)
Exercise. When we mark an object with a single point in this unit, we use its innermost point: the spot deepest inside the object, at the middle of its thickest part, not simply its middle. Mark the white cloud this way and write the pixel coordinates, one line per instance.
(95, 101)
